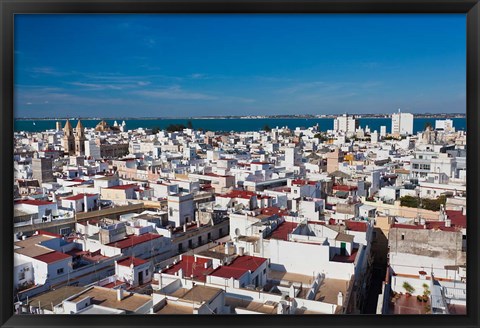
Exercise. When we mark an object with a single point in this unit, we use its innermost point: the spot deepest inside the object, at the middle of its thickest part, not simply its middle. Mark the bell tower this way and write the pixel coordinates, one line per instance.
(68, 139)
(80, 139)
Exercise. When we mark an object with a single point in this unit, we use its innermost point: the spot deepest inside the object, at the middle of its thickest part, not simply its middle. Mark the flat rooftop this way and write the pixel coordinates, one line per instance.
(201, 294)
(54, 297)
(172, 308)
(108, 298)
(33, 240)
(290, 277)
(34, 251)
(329, 288)
(250, 305)
(248, 239)
(408, 305)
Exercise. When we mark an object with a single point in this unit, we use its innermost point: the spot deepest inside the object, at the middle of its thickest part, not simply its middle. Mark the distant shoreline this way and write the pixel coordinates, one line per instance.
(246, 117)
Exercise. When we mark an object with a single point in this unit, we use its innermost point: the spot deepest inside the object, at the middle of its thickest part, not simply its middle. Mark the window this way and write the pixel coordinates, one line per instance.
(209, 236)
(264, 271)
(146, 272)
(65, 231)
(403, 236)
(21, 275)
(60, 271)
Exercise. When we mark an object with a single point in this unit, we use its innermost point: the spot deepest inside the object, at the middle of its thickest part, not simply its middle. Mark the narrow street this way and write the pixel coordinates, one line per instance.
(379, 251)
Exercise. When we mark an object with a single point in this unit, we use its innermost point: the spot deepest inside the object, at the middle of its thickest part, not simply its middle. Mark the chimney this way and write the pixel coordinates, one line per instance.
(241, 251)
(185, 227)
(85, 201)
(180, 273)
(205, 265)
(340, 299)
(120, 294)
(198, 223)
(448, 223)
(291, 291)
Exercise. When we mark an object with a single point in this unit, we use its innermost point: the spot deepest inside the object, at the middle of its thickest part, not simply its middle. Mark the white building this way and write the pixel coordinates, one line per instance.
(402, 123)
(445, 125)
(345, 123)
(180, 209)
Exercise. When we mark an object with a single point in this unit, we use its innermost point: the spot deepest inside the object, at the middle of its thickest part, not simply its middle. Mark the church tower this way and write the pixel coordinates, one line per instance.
(68, 139)
(80, 139)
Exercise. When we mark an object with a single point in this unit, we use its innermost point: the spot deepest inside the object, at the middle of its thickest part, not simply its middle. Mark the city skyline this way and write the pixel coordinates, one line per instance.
(183, 65)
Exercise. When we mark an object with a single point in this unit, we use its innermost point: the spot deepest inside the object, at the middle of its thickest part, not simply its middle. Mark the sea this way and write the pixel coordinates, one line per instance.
(234, 124)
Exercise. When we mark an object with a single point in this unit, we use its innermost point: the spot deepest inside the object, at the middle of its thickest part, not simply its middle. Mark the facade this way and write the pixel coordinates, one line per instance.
(402, 123)
(346, 124)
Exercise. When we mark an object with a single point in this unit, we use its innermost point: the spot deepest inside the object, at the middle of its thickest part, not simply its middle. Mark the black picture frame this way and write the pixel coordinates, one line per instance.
(9, 8)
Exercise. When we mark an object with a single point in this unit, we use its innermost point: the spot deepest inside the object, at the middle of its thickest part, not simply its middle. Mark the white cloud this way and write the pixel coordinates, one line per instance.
(175, 92)
(47, 71)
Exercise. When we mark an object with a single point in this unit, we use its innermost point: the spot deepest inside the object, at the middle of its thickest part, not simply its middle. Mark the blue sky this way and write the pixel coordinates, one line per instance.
(196, 65)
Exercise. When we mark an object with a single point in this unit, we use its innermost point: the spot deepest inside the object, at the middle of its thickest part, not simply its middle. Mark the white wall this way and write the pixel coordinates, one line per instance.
(296, 257)
(405, 263)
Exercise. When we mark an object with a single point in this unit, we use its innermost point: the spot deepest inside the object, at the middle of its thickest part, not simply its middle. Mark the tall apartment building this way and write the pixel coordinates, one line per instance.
(402, 123)
(345, 123)
(42, 169)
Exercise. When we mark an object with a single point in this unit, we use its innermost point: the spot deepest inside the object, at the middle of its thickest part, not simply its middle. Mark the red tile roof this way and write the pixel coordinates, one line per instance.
(52, 257)
(131, 260)
(114, 284)
(300, 182)
(133, 240)
(344, 187)
(457, 218)
(273, 210)
(124, 187)
(79, 196)
(77, 180)
(346, 258)
(34, 202)
(239, 267)
(247, 262)
(317, 222)
(356, 226)
(283, 230)
(217, 175)
(228, 272)
(190, 267)
(408, 226)
(76, 252)
(245, 194)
